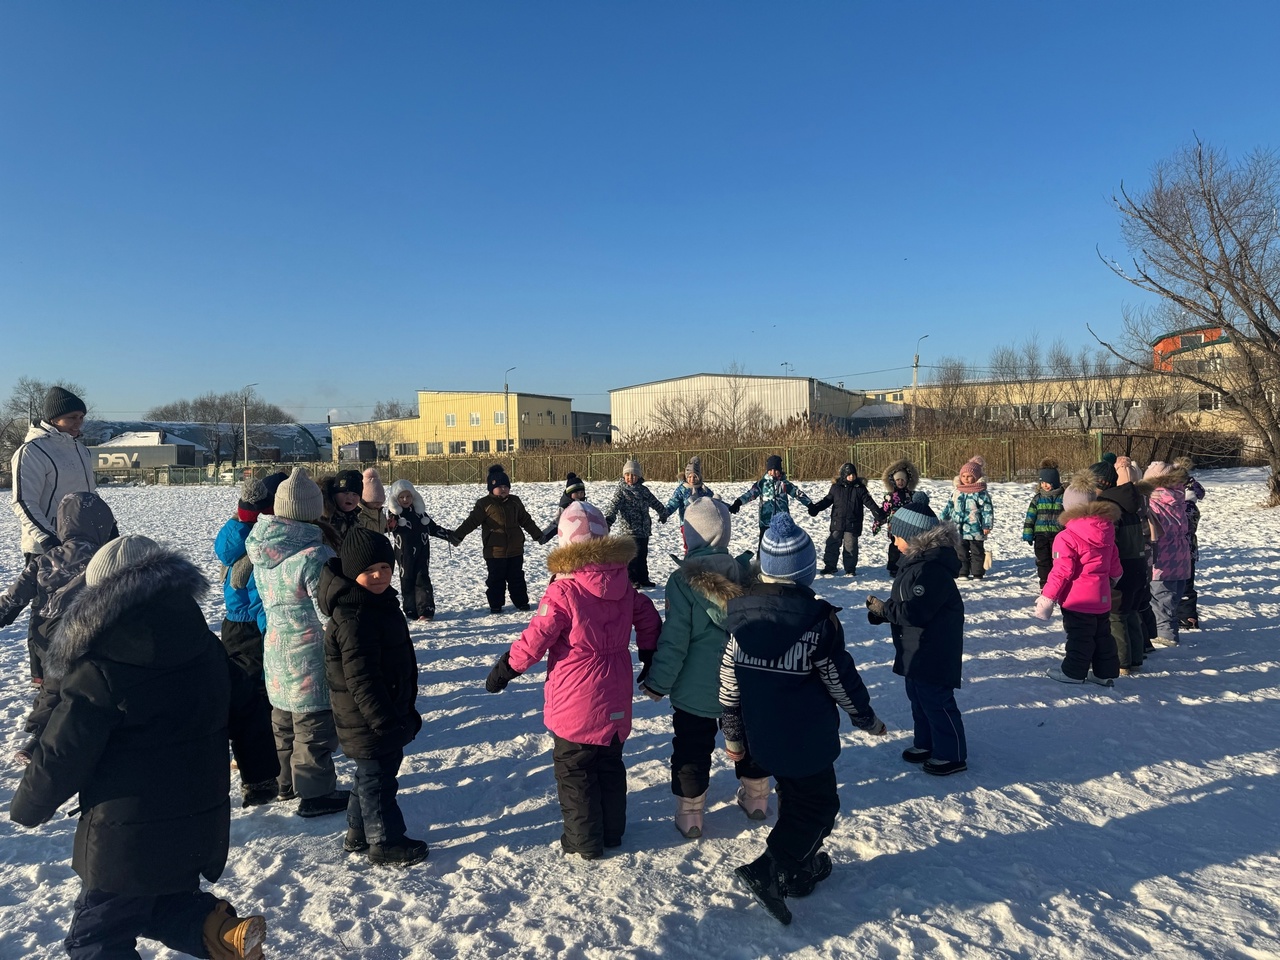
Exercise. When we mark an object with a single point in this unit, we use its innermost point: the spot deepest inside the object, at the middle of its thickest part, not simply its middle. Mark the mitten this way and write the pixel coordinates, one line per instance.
(877, 728)
(646, 661)
(1044, 608)
(736, 505)
(501, 674)
(735, 750)
(875, 611)
(813, 510)
(1028, 538)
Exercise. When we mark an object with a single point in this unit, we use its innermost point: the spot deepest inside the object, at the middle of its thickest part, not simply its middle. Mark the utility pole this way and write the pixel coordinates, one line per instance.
(915, 382)
(506, 407)
(244, 410)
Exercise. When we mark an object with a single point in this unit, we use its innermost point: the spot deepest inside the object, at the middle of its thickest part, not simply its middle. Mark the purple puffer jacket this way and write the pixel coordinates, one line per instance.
(583, 628)
(1085, 559)
(1171, 559)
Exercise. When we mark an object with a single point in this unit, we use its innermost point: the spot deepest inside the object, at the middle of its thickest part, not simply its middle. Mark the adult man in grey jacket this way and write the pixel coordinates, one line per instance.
(50, 463)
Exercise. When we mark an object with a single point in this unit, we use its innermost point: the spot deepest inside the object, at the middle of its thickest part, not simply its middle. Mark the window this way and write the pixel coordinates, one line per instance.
(457, 446)
(1210, 401)
(499, 417)
(1022, 411)
(479, 446)
(540, 416)
(897, 397)
(564, 419)
(434, 448)
(475, 419)
(988, 413)
(450, 419)
(1132, 404)
(881, 397)
(1073, 409)
(384, 451)
(1046, 411)
(1099, 408)
(406, 449)
(1190, 340)
(502, 446)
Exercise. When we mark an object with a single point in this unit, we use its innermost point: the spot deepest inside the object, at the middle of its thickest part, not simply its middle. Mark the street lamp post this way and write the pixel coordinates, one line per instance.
(915, 382)
(244, 410)
(506, 407)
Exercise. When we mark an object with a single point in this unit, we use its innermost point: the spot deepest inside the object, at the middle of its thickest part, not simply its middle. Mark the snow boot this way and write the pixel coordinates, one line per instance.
(944, 768)
(689, 812)
(1055, 673)
(916, 754)
(765, 883)
(227, 937)
(753, 797)
(808, 875)
(1092, 677)
(354, 841)
(404, 853)
(256, 794)
(335, 802)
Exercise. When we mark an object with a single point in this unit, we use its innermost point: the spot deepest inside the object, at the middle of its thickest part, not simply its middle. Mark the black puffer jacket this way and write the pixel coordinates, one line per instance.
(847, 501)
(370, 664)
(140, 733)
(785, 677)
(926, 611)
(1131, 539)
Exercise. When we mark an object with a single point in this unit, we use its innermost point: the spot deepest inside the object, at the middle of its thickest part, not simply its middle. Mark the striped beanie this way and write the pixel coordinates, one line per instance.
(786, 552)
(914, 518)
(573, 484)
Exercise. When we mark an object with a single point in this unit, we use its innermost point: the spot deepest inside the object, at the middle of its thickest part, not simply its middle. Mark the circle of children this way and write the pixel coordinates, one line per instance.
(315, 653)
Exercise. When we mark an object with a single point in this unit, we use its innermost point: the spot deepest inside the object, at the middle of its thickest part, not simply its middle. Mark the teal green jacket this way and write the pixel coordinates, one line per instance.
(686, 665)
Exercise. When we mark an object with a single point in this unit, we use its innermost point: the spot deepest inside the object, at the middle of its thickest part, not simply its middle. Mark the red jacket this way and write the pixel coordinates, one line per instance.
(1085, 559)
(583, 628)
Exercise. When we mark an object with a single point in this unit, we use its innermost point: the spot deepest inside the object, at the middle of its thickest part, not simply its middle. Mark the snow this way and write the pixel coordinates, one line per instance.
(1092, 823)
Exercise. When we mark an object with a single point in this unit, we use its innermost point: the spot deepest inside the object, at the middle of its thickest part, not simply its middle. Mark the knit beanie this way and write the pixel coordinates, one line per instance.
(773, 463)
(912, 519)
(1104, 474)
(633, 467)
(253, 495)
(693, 468)
(706, 523)
(1155, 468)
(271, 483)
(974, 465)
(1049, 473)
(349, 481)
(573, 484)
(372, 491)
(1110, 458)
(361, 549)
(1079, 493)
(117, 555)
(786, 552)
(581, 521)
(497, 477)
(59, 402)
(298, 497)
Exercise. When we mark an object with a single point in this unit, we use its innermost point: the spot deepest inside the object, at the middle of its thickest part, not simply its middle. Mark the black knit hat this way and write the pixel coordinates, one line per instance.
(349, 481)
(271, 483)
(1104, 474)
(497, 477)
(573, 484)
(773, 463)
(59, 403)
(361, 549)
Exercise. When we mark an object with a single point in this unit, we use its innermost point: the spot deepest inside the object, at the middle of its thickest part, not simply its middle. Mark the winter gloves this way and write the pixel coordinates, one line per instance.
(736, 505)
(1044, 608)
(875, 610)
(877, 728)
(814, 510)
(646, 661)
(501, 674)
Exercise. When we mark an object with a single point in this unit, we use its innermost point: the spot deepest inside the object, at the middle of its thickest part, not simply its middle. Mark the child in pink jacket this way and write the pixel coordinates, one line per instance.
(1085, 565)
(583, 628)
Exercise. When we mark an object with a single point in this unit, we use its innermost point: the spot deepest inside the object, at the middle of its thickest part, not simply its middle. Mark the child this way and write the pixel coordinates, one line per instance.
(48, 583)
(372, 672)
(1188, 610)
(141, 735)
(784, 677)
(686, 665)
(1171, 555)
(583, 628)
(689, 489)
(412, 528)
(243, 625)
(288, 553)
(631, 503)
(345, 507)
(505, 522)
(972, 511)
(574, 491)
(899, 479)
(774, 491)
(1041, 523)
(1085, 565)
(926, 614)
(1133, 592)
(847, 498)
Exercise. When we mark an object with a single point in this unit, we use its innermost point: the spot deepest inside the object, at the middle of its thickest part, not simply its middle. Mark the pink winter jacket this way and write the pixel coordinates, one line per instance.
(1171, 556)
(1085, 558)
(583, 628)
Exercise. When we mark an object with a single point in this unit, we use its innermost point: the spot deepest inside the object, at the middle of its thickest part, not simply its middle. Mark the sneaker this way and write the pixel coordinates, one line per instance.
(404, 853)
(335, 802)
(256, 794)
(1164, 642)
(916, 754)
(944, 768)
(763, 880)
(229, 937)
(1055, 673)
(807, 877)
(1092, 677)
(354, 841)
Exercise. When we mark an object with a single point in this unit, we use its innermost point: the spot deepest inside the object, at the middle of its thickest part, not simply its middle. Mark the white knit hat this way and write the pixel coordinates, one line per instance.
(116, 555)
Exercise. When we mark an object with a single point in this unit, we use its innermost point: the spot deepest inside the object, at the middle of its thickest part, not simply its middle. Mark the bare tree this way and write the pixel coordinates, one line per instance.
(394, 410)
(677, 415)
(952, 397)
(222, 417)
(24, 406)
(1205, 238)
(733, 408)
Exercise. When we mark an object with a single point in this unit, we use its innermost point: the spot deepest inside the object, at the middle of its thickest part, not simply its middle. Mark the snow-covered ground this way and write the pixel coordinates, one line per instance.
(1091, 823)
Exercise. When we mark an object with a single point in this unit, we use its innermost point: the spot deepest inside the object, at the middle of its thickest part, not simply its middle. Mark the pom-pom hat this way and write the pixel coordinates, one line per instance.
(786, 552)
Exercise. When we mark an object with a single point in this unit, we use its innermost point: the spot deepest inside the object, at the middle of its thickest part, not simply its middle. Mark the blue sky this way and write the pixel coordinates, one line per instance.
(349, 202)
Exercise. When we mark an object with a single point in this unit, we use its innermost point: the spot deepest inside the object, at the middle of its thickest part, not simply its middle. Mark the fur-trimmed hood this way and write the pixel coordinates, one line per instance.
(1106, 509)
(399, 487)
(1173, 477)
(716, 587)
(97, 608)
(594, 563)
(913, 474)
(944, 534)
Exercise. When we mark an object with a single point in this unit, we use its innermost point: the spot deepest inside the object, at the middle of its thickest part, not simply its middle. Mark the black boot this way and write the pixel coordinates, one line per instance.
(403, 853)
(808, 875)
(765, 883)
